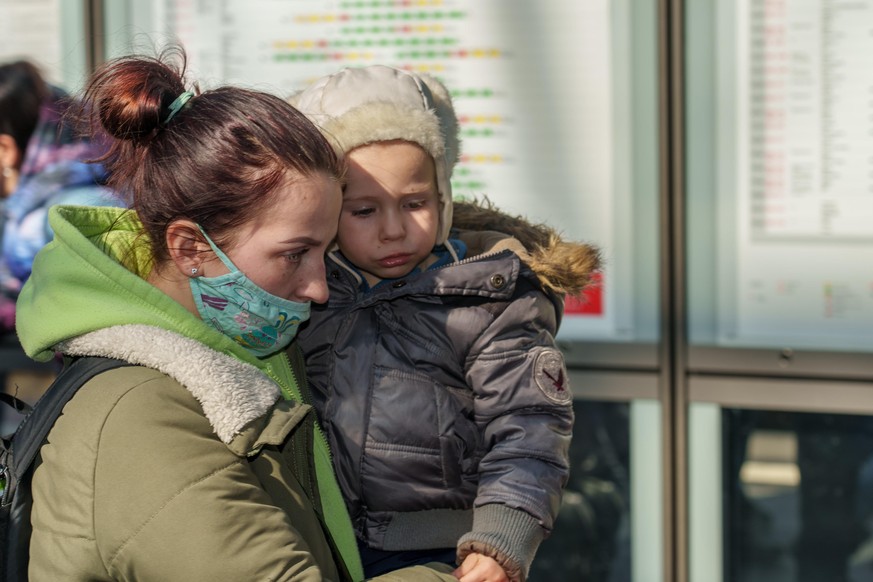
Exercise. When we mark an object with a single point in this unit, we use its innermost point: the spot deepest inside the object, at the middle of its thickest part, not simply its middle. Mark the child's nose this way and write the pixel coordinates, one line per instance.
(391, 226)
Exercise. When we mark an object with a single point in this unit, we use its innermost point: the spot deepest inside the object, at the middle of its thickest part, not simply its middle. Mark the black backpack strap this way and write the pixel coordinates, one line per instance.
(35, 427)
(20, 406)
(17, 456)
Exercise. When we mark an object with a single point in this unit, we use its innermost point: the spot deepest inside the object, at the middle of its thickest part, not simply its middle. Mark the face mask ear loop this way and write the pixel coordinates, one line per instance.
(218, 252)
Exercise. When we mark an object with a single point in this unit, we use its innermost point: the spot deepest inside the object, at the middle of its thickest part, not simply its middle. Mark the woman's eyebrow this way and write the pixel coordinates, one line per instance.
(302, 239)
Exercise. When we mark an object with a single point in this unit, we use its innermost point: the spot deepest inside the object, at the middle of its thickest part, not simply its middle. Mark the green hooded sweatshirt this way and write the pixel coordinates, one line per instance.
(92, 277)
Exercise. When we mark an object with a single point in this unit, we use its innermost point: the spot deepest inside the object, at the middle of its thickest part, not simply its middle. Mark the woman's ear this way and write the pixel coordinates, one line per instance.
(187, 247)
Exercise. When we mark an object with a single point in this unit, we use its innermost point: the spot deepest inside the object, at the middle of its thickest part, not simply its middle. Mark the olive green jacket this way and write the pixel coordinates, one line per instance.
(199, 462)
(134, 484)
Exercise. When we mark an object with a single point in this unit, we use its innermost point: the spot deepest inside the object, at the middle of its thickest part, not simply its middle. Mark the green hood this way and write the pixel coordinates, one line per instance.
(91, 276)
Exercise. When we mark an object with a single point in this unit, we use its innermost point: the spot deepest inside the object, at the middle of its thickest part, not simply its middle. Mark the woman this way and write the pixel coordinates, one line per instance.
(41, 164)
(190, 465)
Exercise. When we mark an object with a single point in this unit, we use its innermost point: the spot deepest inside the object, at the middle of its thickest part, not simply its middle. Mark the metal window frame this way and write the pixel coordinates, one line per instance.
(673, 346)
(780, 363)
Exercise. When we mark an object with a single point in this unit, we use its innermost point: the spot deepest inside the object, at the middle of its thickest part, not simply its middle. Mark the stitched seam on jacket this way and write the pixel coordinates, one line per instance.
(93, 473)
(94, 468)
(397, 447)
(427, 345)
(166, 503)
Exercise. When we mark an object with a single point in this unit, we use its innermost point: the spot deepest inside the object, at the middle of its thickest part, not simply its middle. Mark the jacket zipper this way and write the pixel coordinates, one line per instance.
(302, 396)
(474, 258)
(303, 389)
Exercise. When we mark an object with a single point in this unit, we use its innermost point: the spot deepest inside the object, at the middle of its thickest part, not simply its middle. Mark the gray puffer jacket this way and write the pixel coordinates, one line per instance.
(444, 396)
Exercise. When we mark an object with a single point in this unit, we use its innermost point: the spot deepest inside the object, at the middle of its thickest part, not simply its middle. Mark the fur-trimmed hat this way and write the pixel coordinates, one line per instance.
(358, 106)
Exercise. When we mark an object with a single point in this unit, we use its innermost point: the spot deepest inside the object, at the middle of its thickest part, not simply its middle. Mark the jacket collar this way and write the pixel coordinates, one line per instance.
(452, 251)
(232, 393)
(493, 276)
(562, 266)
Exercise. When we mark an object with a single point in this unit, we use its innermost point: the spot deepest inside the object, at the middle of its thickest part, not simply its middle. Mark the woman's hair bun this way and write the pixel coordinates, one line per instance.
(132, 95)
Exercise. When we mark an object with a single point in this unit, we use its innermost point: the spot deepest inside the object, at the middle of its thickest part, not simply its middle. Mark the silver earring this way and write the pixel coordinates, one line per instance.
(193, 270)
(6, 171)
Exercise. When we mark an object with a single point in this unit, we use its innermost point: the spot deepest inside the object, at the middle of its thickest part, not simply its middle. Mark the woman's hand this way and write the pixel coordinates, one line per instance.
(480, 568)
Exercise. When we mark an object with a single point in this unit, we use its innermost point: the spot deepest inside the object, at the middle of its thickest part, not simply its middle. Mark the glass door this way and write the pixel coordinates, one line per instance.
(779, 185)
(50, 33)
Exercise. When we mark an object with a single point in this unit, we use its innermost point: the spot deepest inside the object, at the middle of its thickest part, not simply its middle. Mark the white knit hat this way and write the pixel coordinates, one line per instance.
(358, 106)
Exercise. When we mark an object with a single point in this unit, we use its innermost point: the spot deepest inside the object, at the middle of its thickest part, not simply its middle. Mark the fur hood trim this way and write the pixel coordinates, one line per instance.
(232, 393)
(358, 106)
(562, 266)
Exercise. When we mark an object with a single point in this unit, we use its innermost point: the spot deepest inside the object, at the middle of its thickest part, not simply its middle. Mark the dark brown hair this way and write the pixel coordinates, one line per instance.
(217, 162)
(22, 93)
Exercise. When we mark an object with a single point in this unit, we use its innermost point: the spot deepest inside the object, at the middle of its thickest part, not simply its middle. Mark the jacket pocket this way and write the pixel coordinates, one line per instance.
(421, 440)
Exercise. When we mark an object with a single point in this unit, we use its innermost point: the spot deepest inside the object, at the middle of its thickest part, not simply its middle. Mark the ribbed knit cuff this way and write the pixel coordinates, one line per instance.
(509, 536)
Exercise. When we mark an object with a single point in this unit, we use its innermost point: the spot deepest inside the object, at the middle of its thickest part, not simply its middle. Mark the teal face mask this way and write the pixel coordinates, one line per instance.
(231, 303)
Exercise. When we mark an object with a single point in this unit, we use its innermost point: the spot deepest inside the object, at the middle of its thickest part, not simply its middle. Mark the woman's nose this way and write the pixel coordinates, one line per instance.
(314, 286)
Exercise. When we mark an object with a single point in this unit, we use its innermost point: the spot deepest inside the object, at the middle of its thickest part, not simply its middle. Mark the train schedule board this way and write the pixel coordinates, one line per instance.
(800, 250)
(534, 83)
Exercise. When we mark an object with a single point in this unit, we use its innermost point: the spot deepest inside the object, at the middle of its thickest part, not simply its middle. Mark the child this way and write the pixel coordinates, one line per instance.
(433, 364)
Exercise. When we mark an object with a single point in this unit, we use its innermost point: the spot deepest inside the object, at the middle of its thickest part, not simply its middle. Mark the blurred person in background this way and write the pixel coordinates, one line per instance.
(42, 162)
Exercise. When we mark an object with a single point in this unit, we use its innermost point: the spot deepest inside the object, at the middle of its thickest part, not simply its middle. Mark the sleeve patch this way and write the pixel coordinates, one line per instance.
(551, 376)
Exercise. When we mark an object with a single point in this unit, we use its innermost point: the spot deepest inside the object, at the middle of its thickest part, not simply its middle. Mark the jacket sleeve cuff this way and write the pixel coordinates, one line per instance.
(509, 536)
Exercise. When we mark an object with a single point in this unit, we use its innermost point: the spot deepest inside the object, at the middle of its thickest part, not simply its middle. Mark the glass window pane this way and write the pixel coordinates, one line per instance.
(591, 540)
(780, 178)
(610, 525)
(50, 34)
(798, 490)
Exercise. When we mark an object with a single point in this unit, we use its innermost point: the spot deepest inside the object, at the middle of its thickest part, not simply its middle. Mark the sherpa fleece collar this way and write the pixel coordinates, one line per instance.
(232, 393)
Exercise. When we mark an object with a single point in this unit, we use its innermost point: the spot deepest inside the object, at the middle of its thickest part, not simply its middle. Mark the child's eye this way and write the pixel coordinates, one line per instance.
(416, 204)
(362, 212)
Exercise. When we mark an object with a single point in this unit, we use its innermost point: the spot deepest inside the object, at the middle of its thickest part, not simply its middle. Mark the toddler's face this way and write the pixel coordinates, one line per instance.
(391, 211)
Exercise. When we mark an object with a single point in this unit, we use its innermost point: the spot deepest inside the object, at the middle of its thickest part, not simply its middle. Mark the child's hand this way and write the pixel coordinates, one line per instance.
(480, 568)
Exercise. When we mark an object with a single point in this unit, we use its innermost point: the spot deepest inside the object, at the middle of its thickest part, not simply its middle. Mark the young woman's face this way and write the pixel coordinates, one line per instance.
(282, 251)
(390, 211)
